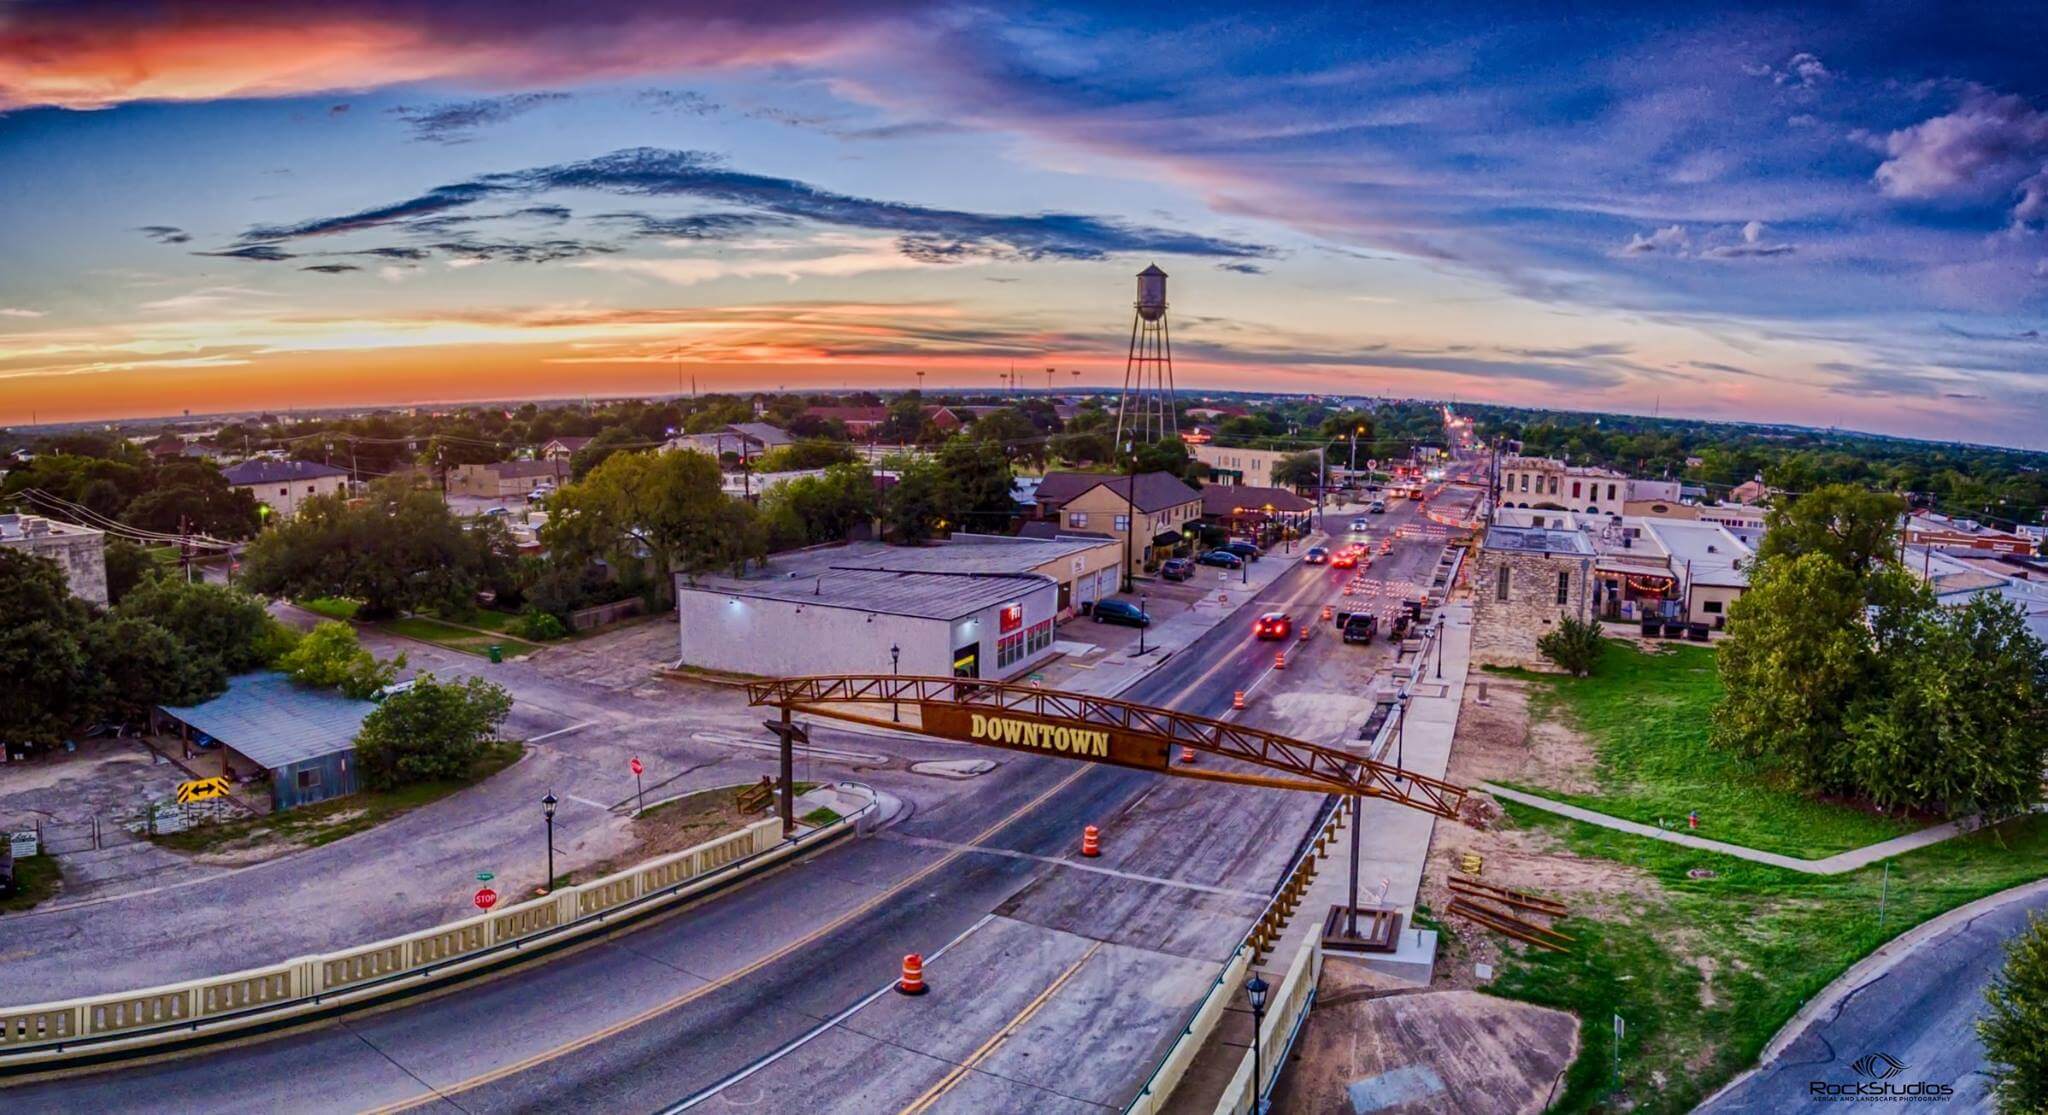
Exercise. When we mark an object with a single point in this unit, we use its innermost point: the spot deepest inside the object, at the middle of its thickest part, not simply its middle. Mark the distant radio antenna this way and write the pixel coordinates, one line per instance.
(1145, 413)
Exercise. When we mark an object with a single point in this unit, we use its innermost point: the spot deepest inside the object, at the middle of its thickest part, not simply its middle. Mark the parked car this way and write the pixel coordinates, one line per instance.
(1177, 569)
(1316, 555)
(1246, 550)
(539, 494)
(1274, 625)
(1360, 627)
(1222, 559)
(497, 511)
(1121, 611)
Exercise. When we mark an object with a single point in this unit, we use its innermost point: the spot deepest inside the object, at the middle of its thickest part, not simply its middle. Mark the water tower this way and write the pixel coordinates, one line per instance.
(1145, 413)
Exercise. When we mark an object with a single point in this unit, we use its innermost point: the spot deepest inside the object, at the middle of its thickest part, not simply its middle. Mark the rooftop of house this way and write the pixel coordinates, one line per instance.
(1230, 499)
(763, 433)
(572, 444)
(1537, 540)
(511, 470)
(1150, 491)
(275, 722)
(1705, 551)
(18, 528)
(265, 471)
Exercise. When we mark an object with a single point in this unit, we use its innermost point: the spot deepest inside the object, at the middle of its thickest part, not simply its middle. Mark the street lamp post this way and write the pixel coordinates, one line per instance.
(1401, 729)
(547, 809)
(1255, 990)
(895, 707)
(1147, 617)
(1439, 647)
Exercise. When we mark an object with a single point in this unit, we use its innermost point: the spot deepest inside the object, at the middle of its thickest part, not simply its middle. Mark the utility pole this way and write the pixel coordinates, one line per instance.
(1130, 511)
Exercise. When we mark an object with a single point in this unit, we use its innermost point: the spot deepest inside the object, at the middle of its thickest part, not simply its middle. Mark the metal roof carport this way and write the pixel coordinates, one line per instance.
(304, 737)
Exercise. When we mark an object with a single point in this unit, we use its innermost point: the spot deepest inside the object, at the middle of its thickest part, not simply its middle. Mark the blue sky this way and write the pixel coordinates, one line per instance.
(1830, 215)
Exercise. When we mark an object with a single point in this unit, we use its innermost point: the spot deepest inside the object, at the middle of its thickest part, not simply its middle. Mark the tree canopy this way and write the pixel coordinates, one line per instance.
(397, 549)
(665, 508)
(433, 731)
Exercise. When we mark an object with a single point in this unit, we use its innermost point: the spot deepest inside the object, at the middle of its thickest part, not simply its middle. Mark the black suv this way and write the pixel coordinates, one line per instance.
(1245, 550)
(1360, 627)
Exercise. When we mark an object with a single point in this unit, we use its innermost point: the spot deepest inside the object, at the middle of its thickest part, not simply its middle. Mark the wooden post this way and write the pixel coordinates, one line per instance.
(788, 777)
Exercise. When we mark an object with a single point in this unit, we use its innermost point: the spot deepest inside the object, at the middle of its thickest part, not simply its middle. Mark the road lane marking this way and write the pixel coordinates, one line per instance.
(561, 731)
(588, 802)
(952, 1079)
(927, 842)
(695, 993)
(705, 1094)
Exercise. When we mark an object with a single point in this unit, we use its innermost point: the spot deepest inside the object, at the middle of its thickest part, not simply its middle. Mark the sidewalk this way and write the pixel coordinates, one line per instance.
(1837, 864)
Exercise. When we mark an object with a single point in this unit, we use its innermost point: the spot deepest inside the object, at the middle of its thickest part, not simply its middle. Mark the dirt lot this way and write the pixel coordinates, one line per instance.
(1497, 743)
(1423, 1052)
(672, 827)
(108, 777)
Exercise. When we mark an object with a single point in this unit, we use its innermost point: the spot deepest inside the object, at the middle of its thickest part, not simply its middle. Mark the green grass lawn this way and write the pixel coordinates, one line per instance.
(442, 634)
(35, 880)
(1771, 939)
(327, 821)
(333, 607)
(1647, 717)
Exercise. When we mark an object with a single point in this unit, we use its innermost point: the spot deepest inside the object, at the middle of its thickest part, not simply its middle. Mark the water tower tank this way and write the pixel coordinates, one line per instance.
(1152, 293)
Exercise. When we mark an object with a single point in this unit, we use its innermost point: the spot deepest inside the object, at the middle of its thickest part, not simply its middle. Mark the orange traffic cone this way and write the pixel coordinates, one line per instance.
(1306, 631)
(912, 981)
(1091, 841)
(1237, 701)
(1280, 660)
(1329, 613)
(1187, 754)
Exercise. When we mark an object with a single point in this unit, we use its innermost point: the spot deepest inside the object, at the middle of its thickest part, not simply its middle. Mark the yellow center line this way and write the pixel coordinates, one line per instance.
(1009, 1029)
(659, 1009)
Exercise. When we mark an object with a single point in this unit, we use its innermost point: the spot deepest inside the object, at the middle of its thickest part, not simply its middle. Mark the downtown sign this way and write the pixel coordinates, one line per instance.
(1068, 739)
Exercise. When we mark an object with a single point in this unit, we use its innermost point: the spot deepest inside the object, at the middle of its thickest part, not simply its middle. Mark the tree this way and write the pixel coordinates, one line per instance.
(138, 665)
(813, 509)
(43, 665)
(331, 656)
(398, 549)
(1957, 717)
(1574, 645)
(193, 496)
(2015, 1018)
(127, 565)
(978, 483)
(667, 508)
(608, 441)
(1170, 456)
(432, 732)
(1797, 656)
(225, 625)
(1009, 428)
(1298, 470)
(806, 454)
(917, 502)
(1857, 529)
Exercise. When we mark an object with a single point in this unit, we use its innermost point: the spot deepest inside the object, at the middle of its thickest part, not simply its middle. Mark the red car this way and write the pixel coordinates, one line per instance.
(1273, 625)
(1346, 558)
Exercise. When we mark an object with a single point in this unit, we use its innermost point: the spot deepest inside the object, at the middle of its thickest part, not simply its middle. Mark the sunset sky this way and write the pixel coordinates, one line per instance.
(1827, 216)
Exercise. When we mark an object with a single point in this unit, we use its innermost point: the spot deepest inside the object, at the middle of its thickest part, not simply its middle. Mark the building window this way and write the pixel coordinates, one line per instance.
(285, 491)
(1077, 519)
(1564, 586)
(1038, 638)
(1009, 650)
(1610, 493)
(1711, 607)
(309, 780)
(1123, 522)
(1575, 489)
(1501, 590)
(1525, 481)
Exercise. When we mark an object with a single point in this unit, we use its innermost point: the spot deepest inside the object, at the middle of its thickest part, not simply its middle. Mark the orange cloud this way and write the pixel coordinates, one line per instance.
(80, 54)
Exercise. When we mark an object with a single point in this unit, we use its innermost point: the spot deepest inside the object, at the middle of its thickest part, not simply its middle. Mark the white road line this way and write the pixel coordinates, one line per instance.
(588, 802)
(691, 1101)
(562, 731)
(983, 849)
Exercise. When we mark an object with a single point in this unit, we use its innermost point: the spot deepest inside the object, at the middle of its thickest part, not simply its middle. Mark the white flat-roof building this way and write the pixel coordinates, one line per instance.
(977, 606)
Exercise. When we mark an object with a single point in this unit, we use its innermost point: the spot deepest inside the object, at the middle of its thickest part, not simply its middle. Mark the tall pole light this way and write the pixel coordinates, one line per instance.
(547, 810)
(895, 707)
(1130, 511)
(1146, 618)
(1439, 646)
(1255, 990)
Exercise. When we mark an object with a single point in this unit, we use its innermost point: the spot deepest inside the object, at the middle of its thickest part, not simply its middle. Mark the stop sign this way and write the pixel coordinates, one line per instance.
(637, 768)
(486, 898)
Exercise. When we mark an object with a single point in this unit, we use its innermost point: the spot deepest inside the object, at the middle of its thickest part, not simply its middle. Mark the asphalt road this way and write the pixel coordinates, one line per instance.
(1921, 1011)
(1063, 985)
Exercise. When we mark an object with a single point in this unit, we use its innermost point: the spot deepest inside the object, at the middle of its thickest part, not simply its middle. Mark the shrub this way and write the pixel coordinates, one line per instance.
(541, 626)
(1574, 646)
(2012, 1026)
(331, 656)
(432, 732)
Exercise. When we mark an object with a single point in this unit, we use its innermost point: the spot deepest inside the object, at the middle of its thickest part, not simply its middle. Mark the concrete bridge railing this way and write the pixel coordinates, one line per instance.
(107, 1026)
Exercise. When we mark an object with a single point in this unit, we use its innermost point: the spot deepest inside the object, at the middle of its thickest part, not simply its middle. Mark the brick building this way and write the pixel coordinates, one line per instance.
(1526, 580)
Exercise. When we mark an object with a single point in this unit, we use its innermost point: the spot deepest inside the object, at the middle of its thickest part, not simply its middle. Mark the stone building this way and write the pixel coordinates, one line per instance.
(81, 552)
(1526, 579)
(1545, 482)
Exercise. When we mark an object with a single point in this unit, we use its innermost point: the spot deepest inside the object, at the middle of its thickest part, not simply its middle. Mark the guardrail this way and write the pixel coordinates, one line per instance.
(1285, 1016)
(105, 1026)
